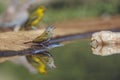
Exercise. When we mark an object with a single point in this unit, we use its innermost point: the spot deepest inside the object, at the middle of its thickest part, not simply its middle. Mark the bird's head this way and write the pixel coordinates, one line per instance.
(49, 29)
(41, 9)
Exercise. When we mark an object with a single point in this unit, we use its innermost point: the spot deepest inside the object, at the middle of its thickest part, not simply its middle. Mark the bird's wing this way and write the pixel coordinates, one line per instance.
(31, 60)
(46, 58)
(41, 38)
(35, 61)
(31, 19)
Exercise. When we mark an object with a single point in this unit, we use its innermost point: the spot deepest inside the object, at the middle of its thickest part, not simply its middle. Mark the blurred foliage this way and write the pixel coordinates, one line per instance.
(59, 10)
(74, 61)
(2, 7)
(76, 9)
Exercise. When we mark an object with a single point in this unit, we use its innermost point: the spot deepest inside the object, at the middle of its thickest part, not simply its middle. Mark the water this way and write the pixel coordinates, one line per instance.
(74, 61)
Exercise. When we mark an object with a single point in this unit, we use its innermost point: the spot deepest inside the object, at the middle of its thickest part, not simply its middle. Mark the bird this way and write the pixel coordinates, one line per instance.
(41, 60)
(44, 38)
(34, 18)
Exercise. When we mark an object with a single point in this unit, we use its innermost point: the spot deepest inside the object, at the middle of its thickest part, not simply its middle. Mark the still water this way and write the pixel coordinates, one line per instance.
(74, 61)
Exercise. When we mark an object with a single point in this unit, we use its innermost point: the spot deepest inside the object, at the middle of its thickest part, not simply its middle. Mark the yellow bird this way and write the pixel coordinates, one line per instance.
(34, 18)
(41, 60)
(45, 36)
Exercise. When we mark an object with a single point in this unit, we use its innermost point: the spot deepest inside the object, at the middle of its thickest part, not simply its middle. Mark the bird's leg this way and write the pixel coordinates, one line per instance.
(43, 45)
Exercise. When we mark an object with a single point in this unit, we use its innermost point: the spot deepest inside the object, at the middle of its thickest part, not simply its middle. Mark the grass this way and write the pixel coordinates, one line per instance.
(77, 12)
(67, 14)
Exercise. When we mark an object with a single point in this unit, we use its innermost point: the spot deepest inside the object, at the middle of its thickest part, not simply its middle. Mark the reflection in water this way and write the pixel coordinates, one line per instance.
(3, 59)
(19, 60)
(105, 43)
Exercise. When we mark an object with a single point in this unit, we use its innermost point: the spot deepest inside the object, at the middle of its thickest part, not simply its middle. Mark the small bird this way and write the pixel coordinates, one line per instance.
(44, 38)
(41, 60)
(34, 18)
